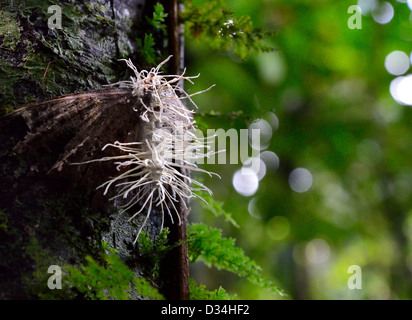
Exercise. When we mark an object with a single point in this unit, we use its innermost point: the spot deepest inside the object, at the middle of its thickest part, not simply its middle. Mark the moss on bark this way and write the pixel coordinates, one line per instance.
(44, 220)
(80, 56)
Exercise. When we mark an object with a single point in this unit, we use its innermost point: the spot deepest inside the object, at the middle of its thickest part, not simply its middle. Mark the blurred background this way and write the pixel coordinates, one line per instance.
(335, 187)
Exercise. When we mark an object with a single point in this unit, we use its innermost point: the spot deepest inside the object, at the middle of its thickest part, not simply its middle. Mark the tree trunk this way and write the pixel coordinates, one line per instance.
(50, 210)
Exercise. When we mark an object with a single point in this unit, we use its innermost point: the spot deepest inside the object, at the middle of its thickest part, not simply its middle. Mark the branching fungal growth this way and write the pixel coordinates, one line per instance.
(155, 172)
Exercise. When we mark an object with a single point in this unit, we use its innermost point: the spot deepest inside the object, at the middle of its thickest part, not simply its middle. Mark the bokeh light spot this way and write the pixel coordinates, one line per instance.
(400, 89)
(397, 62)
(271, 67)
(270, 159)
(367, 5)
(272, 119)
(317, 251)
(369, 151)
(245, 182)
(300, 180)
(253, 209)
(257, 165)
(383, 13)
(265, 133)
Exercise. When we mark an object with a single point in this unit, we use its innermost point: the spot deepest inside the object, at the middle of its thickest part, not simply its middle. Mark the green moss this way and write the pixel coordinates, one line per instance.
(113, 280)
(79, 57)
(36, 282)
(199, 292)
(9, 30)
(151, 252)
(86, 45)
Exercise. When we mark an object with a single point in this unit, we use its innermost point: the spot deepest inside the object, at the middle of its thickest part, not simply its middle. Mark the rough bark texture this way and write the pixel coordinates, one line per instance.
(50, 211)
(82, 54)
(51, 204)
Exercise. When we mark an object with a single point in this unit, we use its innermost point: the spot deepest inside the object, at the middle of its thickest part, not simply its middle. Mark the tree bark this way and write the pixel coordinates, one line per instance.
(174, 269)
(50, 210)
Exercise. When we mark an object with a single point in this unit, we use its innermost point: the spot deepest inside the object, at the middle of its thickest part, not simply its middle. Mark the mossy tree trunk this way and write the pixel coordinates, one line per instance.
(50, 211)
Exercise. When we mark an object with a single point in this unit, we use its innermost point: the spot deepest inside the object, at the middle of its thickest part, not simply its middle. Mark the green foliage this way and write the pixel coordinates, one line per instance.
(147, 51)
(216, 25)
(338, 119)
(6, 110)
(199, 292)
(144, 288)
(206, 243)
(97, 282)
(93, 280)
(148, 245)
(35, 283)
(216, 208)
(147, 45)
(9, 30)
(158, 20)
(151, 251)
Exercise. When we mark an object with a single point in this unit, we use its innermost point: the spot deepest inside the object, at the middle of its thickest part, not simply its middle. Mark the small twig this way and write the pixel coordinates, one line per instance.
(173, 35)
(45, 73)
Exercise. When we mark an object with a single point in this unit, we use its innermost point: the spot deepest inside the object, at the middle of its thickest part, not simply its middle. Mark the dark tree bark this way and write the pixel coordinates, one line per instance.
(50, 210)
(174, 270)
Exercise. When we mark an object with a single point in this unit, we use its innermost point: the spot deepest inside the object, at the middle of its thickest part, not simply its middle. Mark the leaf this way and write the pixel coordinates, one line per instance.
(158, 17)
(147, 51)
(215, 24)
(199, 292)
(206, 243)
(216, 208)
(97, 282)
